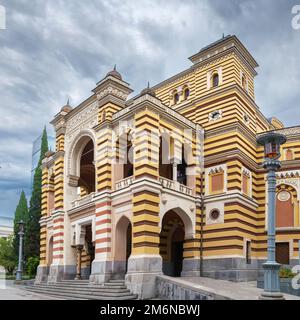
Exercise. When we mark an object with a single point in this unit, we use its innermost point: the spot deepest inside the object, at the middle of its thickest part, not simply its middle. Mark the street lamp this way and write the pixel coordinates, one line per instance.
(271, 142)
(21, 234)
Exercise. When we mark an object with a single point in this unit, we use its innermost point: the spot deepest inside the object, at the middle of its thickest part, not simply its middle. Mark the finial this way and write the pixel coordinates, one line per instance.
(148, 85)
(223, 35)
(68, 102)
(115, 67)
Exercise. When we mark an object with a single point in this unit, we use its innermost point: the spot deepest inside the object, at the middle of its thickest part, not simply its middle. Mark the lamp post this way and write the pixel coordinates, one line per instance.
(21, 234)
(271, 142)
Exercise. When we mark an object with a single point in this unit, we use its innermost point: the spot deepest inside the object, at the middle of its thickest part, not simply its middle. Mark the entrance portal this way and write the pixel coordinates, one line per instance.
(122, 247)
(171, 244)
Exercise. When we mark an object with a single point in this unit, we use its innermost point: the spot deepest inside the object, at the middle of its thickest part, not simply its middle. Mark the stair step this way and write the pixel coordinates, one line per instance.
(72, 295)
(116, 281)
(91, 287)
(112, 289)
(98, 293)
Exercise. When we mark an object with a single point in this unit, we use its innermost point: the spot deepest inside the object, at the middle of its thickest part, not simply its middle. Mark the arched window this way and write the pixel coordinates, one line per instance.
(186, 93)
(176, 97)
(215, 80)
(87, 169)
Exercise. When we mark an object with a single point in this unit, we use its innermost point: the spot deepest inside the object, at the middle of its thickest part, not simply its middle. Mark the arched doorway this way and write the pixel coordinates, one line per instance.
(171, 243)
(123, 245)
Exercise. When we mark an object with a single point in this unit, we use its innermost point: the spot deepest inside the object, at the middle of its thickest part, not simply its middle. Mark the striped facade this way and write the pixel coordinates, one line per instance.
(203, 209)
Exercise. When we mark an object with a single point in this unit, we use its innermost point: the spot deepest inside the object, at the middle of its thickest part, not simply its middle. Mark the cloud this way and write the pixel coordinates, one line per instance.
(53, 50)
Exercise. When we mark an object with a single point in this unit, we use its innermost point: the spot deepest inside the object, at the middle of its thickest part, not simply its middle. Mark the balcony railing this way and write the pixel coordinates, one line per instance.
(83, 200)
(176, 186)
(124, 183)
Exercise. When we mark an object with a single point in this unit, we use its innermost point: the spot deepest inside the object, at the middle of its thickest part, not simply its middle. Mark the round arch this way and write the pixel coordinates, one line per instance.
(188, 221)
(76, 149)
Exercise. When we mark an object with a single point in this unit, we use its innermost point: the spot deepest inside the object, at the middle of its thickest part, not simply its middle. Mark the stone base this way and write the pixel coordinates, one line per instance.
(56, 273)
(271, 296)
(61, 272)
(190, 268)
(232, 269)
(141, 275)
(41, 274)
(119, 269)
(101, 272)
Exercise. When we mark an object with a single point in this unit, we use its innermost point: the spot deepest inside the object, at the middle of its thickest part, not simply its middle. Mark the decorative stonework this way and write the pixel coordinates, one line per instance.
(215, 115)
(113, 91)
(283, 196)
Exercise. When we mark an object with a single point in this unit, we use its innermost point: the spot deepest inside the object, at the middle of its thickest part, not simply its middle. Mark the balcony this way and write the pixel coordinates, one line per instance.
(83, 200)
(124, 183)
(176, 186)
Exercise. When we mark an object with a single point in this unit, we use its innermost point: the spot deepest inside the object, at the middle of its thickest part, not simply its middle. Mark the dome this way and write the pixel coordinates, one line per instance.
(49, 153)
(148, 90)
(114, 73)
(67, 107)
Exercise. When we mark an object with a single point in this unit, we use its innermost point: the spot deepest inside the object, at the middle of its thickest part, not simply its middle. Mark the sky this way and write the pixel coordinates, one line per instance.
(52, 50)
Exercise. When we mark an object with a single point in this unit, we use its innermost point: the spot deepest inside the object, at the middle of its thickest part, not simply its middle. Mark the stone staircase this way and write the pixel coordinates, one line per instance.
(82, 290)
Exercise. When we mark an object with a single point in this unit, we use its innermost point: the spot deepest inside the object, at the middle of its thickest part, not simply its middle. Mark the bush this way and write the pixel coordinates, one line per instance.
(31, 265)
(286, 273)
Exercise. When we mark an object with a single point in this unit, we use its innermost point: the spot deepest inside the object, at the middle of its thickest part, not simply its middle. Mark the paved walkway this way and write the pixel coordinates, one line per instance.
(13, 292)
(231, 290)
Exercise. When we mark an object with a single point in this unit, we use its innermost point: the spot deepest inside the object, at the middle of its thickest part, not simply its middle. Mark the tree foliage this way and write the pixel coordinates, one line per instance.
(32, 227)
(7, 254)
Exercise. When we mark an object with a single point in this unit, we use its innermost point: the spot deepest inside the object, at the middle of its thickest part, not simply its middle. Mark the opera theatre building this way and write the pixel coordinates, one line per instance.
(167, 182)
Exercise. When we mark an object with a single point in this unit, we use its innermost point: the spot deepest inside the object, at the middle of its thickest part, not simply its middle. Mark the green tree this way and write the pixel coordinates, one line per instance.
(32, 227)
(7, 254)
(21, 213)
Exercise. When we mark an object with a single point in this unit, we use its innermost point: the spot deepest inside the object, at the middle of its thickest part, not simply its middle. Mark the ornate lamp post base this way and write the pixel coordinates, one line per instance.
(271, 282)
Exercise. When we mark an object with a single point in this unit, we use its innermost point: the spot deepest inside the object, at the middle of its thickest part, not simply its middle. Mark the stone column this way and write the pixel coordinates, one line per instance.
(145, 261)
(79, 248)
(102, 264)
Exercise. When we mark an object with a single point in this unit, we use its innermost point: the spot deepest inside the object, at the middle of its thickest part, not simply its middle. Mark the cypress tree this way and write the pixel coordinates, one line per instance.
(21, 213)
(32, 227)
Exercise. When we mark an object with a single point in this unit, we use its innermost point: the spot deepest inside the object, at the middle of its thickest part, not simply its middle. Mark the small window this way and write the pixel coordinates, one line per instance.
(215, 80)
(176, 97)
(186, 93)
(244, 82)
(248, 252)
(214, 214)
(288, 154)
(217, 182)
(245, 184)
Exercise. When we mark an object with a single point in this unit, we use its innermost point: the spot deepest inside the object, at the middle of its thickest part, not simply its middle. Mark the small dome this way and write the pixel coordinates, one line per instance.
(148, 90)
(67, 107)
(114, 73)
(49, 153)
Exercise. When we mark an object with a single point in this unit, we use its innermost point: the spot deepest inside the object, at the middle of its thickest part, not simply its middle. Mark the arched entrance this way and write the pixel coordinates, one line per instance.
(171, 243)
(123, 246)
